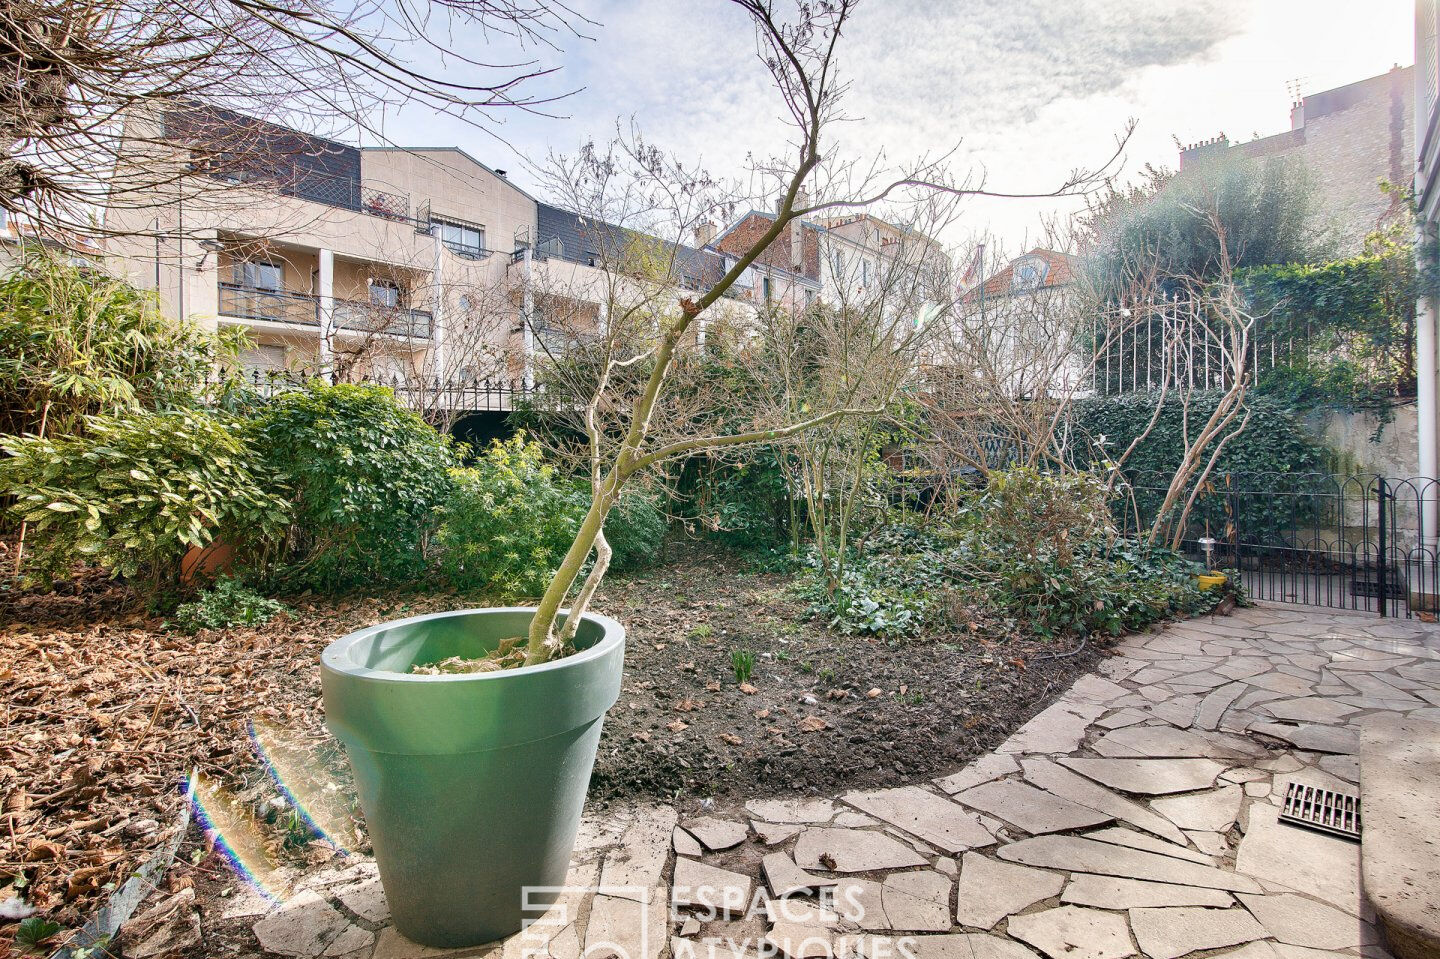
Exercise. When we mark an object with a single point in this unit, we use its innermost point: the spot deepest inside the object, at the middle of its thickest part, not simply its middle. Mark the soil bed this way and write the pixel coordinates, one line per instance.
(106, 711)
(821, 710)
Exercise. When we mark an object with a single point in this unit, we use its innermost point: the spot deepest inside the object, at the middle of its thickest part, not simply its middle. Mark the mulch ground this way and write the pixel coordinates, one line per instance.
(106, 711)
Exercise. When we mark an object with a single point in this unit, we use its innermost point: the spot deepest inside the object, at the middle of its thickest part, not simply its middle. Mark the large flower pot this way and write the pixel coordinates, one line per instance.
(471, 785)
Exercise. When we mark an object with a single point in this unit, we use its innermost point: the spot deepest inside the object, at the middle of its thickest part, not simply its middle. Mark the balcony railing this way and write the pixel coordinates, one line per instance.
(359, 317)
(273, 306)
(303, 309)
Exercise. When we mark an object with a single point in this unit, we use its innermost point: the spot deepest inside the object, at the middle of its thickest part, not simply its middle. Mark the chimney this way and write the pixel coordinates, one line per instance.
(1297, 115)
(797, 234)
(704, 232)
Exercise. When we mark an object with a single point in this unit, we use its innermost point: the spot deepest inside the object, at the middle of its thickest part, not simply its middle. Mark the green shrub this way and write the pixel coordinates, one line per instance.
(1035, 549)
(894, 588)
(511, 518)
(746, 504)
(229, 603)
(508, 521)
(368, 478)
(1273, 454)
(133, 493)
(76, 342)
(635, 529)
(1044, 550)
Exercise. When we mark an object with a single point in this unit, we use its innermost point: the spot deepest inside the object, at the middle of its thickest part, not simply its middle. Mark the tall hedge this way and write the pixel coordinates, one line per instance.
(1272, 466)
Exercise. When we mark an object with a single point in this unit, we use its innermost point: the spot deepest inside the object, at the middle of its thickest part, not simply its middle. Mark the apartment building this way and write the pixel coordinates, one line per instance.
(423, 264)
(831, 259)
(327, 254)
(1349, 138)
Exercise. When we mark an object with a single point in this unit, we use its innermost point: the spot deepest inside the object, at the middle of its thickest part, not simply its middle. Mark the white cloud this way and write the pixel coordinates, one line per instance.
(1033, 88)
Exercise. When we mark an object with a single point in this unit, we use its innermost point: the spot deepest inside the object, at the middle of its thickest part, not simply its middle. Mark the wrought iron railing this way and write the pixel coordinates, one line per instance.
(424, 394)
(358, 317)
(1350, 542)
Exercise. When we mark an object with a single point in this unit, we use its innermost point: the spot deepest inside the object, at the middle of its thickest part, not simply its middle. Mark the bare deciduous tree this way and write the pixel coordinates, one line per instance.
(209, 72)
(646, 338)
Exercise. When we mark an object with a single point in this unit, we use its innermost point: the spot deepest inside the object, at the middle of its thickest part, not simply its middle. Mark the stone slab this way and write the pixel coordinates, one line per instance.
(1148, 776)
(921, 813)
(1212, 811)
(1029, 808)
(1138, 840)
(1057, 729)
(1074, 932)
(982, 770)
(1322, 866)
(990, 890)
(1076, 788)
(785, 878)
(1169, 933)
(1112, 892)
(1076, 854)
(1400, 793)
(717, 834)
(710, 887)
(1312, 736)
(852, 850)
(1305, 922)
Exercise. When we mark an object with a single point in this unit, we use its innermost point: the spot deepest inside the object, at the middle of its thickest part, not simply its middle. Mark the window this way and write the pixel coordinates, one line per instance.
(262, 358)
(864, 272)
(462, 239)
(765, 286)
(839, 264)
(259, 275)
(385, 293)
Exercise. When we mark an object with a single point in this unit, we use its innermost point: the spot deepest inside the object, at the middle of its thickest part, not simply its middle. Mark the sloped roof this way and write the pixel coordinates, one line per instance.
(1060, 269)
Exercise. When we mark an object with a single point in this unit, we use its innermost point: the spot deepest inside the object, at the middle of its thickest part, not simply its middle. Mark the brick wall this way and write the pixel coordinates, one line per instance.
(1349, 139)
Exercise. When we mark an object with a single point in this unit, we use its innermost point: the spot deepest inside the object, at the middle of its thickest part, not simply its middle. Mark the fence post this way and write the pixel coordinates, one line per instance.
(1382, 574)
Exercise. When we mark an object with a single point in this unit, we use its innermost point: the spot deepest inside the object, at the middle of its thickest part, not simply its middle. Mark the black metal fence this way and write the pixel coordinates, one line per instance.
(426, 395)
(1345, 542)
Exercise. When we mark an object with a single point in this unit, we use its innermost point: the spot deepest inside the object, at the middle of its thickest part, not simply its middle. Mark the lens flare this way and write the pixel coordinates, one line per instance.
(239, 838)
(302, 773)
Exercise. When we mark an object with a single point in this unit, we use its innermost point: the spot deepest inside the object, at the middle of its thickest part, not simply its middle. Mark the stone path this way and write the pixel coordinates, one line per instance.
(1137, 815)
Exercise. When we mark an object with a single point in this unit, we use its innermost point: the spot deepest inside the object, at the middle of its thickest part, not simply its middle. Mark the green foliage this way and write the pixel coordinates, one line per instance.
(1037, 550)
(1351, 323)
(35, 932)
(744, 503)
(229, 603)
(1042, 549)
(76, 342)
(368, 478)
(892, 588)
(1272, 448)
(511, 518)
(1266, 208)
(133, 493)
(508, 521)
(635, 528)
(742, 662)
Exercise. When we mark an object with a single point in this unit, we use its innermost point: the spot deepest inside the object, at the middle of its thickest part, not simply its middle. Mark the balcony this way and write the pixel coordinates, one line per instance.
(303, 309)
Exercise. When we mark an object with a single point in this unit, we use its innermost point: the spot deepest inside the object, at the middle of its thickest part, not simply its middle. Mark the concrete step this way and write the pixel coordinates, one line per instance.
(1400, 838)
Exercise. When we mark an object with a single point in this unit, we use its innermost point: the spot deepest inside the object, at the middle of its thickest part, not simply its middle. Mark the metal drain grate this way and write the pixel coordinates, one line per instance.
(1322, 809)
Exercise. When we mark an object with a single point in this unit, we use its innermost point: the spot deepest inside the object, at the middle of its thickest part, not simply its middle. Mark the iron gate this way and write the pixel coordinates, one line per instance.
(1345, 542)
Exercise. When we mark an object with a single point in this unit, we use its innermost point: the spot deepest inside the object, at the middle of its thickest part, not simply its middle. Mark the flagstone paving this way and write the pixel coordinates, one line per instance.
(1136, 815)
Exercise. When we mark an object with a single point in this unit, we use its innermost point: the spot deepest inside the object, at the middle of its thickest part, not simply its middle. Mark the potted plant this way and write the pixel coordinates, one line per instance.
(473, 784)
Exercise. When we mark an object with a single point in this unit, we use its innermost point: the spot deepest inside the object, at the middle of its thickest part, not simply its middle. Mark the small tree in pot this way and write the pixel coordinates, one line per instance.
(472, 784)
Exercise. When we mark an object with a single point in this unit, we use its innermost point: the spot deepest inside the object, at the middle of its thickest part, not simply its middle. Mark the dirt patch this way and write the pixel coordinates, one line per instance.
(106, 711)
(820, 711)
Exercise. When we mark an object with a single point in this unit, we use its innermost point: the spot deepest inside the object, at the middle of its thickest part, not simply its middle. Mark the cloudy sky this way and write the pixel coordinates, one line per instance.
(1028, 89)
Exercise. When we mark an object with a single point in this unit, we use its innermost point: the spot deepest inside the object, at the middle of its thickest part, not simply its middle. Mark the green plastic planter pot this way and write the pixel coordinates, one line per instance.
(472, 786)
